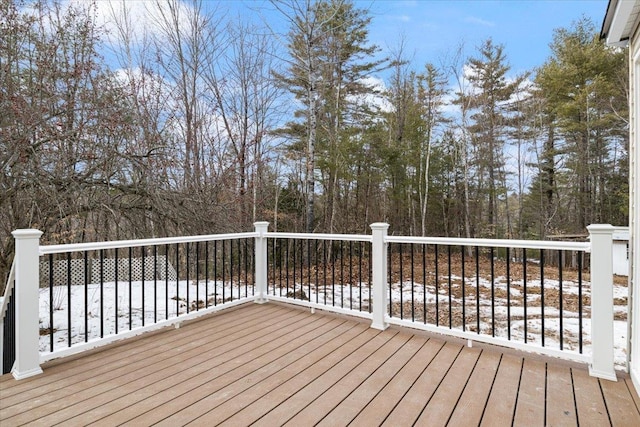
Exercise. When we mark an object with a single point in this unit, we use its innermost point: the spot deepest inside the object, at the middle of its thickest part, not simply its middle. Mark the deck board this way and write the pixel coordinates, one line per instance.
(445, 399)
(473, 400)
(532, 394)
(335, 394)
(634, 396)
(500, 407)
(412, 404)
(559, 391)
(92, 392)
(317, 365)
(308, 385)
(236, 368)
(590, 405)
(620, 404)
(272, 364)
(238, 394)
(360, 397)
(394, 391)
(94, 377)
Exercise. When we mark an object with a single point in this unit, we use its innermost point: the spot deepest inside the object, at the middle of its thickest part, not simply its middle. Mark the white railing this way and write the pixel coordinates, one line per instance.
(28, 251)
(312, 303)
(76, 312)
(602, 357)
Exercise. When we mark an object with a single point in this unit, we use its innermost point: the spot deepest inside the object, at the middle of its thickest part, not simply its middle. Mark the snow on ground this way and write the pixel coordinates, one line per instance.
(347, 297)
(165, 299)
(161, 300)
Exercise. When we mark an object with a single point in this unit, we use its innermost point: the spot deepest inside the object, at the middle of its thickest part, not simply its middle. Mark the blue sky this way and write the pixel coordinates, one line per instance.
(433, 28)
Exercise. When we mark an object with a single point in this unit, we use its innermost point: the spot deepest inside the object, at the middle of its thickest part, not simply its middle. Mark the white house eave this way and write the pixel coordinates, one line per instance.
(620, 21)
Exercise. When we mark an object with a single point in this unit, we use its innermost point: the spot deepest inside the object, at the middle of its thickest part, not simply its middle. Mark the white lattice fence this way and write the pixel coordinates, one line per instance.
(62, 274)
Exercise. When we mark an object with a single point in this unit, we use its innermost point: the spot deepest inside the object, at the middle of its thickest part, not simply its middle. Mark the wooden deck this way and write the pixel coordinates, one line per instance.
(278, 365)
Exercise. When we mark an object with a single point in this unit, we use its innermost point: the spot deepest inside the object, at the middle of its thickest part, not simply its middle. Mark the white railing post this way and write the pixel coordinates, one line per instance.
(261, 261)
(602, 361)
(379, 274)
(27, 284)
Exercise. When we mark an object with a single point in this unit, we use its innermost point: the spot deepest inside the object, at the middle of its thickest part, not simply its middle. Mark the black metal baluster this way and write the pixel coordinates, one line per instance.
(293, 244)
(280, 264)
(542, 293)
(69, 298)
(508, 295)
(560, 300)
(351, 275)
(252, 248)
(424, 283)
(231, 254)
(224, 267)
(413, 309)
(286, 260)
(197, 276)
(86, 296)
(477, 253)
(155, 284)
(360, 276)
(464, 298)
(215, 272)
(51, 306)
(301, 251)
(401, 283)
(450, 285)
(493, 294)
(309, 269)
(580, 255)
(177, 279)
(101, 295)
(389, 267)
(317, 271)
(246, 268)
(188, 259)
(166, 282)
(144, 271)
(231, 268)
(130, 287)
(9, 333)
(116, 288)
(437, 288)
(324, 268)
(273, 265)
(206, 274)
(370, 274)
(341, 274)
(524, 291)
(240, 265)
(333, 273)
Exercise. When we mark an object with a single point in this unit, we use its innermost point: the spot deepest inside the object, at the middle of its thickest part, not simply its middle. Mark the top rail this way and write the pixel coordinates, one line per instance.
(496, 243)
(91, 246)
(321, 236)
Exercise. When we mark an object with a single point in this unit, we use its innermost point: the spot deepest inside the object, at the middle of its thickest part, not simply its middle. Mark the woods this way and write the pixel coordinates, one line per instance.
(197, 122)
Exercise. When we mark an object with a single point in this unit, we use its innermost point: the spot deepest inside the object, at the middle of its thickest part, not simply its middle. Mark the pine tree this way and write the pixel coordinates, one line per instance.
(490, 93)
(329, 58)
(585, 93)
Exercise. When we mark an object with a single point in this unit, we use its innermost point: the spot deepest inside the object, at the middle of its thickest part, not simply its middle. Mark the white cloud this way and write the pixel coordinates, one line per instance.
(479, 21)
(135, 19)
(376, 100)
